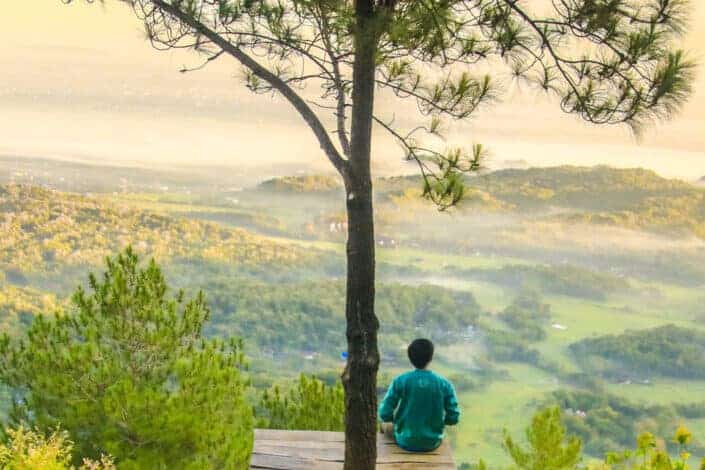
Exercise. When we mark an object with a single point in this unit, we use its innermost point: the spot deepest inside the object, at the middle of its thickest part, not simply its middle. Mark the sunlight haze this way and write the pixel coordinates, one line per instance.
(86, 85)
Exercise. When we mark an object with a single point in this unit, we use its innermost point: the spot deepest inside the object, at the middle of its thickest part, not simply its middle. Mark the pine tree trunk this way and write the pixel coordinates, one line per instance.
(360, 376)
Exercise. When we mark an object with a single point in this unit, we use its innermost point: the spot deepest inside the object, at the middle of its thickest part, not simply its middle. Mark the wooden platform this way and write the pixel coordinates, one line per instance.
(304, 450)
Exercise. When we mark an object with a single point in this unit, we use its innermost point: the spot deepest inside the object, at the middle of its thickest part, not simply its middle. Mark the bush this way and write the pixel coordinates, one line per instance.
(31, 450)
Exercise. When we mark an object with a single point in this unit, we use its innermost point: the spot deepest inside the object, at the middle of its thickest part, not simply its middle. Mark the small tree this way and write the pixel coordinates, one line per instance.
(310, 404)
(549, 448)
(128, 374)
(608, 61)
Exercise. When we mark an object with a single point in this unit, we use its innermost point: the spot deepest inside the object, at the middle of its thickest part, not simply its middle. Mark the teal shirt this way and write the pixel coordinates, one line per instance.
(419, 403)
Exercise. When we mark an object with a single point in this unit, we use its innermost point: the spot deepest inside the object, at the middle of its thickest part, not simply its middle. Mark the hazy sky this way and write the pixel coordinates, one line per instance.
(80, 82)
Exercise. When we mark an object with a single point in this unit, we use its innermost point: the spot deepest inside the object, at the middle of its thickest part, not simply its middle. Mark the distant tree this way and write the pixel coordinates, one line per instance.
(127, 373)
(649, 351)
(526, 315)
(608, 61)
(548, 446)
(310, 404)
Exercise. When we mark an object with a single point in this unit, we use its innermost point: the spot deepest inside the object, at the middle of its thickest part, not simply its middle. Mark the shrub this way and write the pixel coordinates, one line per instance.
(31, 450)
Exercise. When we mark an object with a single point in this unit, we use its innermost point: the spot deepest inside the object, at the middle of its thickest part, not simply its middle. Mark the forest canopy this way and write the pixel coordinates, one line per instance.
(669, 350)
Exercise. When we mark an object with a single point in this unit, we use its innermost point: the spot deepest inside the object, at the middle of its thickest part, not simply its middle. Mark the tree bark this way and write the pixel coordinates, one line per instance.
(360, 376)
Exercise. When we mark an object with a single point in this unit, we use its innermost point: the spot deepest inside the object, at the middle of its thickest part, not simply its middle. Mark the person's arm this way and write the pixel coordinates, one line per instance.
(390, 402)
(450, 403)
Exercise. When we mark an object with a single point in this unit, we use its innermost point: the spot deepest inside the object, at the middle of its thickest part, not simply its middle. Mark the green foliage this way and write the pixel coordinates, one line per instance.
(31, 450)
(566, 280)
(669, 350)
(303, 184)
(506, 346)
(552, 447)
(607, 423)
(527, 316)
(47, 231)
(307, 316)
(525, 319)
(631, 198)
(19, 305)
(591, 189)
(648, 455)
(446, 186)
(548, 446)
(309, 405)
(5, 401)
(128, 373)
(637, 199)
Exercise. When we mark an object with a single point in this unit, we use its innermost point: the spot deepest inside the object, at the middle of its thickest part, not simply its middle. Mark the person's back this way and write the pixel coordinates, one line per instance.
(419, 403)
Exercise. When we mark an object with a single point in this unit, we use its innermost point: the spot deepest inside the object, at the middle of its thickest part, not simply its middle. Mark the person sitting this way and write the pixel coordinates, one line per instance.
(419, 403)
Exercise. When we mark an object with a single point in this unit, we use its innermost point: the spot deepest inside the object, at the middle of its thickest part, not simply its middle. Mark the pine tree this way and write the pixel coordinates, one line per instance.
(548, 446)
(128, 373)
(310, 404)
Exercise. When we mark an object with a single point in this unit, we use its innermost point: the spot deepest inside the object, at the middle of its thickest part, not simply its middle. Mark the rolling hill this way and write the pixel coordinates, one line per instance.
(46, 230)
(635, 199)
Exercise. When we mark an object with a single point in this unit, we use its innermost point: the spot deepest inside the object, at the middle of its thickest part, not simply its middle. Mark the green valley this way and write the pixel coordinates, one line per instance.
(572, 286)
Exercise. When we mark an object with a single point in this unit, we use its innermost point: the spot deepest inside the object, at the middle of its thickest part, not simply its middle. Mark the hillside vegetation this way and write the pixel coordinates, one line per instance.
(19, 306)
(629, 198)
(307, 316)
(46, 230)
(529, 304)
(303, 184)
(668, 350)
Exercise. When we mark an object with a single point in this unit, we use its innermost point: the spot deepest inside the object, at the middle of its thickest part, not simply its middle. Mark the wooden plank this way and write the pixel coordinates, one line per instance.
(415, 466)
(392, 449)
(279, 435)
(329, 455)
(297, 450)
(301, 444)
(415, 459)
(320, 450)
(389, 452)
(275, 462)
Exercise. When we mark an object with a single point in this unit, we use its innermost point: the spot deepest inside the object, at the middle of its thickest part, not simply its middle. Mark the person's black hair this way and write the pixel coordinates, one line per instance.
(420, 352)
